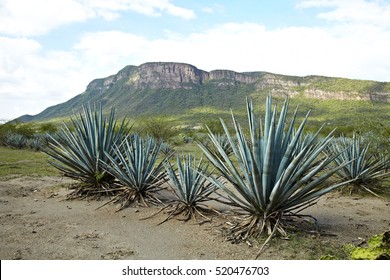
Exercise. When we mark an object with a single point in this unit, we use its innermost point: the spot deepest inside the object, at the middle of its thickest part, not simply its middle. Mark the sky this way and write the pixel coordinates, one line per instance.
(50, 50)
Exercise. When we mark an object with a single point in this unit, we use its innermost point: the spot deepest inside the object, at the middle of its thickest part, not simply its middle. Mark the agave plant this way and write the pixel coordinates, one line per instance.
(273, 174)
(191, 188)
(79, 149)
(365, 169)
(166, 149)
(223, 142)
(35, 143)
(15, 140)
(134, 164)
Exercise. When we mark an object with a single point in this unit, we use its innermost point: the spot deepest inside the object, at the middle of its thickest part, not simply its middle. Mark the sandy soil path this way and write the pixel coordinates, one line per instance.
(37, 223)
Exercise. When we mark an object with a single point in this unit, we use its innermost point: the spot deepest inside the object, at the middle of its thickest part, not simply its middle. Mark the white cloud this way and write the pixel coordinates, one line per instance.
(25, 18)
(215, 8)
(353, 11)
(110, 50)
(208, 10)
(248, 47)
(32, 79)
(146, 7)
(38, 17)
(294, 51)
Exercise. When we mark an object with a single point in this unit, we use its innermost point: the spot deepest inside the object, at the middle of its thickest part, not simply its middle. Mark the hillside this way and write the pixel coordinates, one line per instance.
(169, 88)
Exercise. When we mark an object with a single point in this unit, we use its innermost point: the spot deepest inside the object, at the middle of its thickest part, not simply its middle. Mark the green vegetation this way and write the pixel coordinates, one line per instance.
(26, 130)
(344, 85)
(378, 248)
(79, 153)
(365, 170)
(377, 132)
(25, 135)
(191, 187)
(15, 162)
(161, 128)
(276, 173)
(275, 168)
(346, 116)
(303, 246)
(135, 165)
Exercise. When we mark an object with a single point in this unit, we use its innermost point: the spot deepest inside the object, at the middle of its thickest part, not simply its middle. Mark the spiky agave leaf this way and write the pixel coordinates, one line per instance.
(276, 173)
(224, 143)
(135, 165)
(191, 187)
(367, 170)
(79, 149)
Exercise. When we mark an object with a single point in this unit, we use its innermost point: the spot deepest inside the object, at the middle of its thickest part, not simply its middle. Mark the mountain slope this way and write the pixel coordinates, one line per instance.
(174, 88)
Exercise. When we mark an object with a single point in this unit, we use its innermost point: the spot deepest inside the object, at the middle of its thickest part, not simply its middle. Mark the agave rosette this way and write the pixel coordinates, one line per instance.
(365, 169)
(275, 174)
(79, 148)
(189, 182)
(135, 165)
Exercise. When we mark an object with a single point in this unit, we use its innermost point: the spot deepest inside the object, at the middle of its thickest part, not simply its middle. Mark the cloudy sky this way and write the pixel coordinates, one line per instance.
(51, 49)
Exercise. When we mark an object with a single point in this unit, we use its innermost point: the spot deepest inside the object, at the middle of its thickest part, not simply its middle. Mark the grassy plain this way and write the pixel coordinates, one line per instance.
(14, 163)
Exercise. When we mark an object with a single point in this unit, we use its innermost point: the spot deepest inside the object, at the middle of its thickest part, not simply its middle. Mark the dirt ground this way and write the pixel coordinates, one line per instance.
(37, 222)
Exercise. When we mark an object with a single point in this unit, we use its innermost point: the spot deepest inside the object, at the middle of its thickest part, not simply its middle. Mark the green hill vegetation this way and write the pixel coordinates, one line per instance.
(193, 96)
(178, 100)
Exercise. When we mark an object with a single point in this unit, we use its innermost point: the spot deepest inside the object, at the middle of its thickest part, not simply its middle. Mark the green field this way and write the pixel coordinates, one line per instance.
(14, 162)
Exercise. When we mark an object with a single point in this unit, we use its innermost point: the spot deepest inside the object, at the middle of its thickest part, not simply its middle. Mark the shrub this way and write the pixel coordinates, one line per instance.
(160, 128)
(11, 132)
(378, 248)
(35, 143)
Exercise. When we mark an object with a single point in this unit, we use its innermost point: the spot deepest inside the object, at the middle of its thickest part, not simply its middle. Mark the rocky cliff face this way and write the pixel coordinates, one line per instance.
(166, 75)
(170, 75)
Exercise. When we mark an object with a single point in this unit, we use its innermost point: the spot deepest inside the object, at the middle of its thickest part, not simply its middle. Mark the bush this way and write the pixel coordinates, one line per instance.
(14, 128)
(160, 128)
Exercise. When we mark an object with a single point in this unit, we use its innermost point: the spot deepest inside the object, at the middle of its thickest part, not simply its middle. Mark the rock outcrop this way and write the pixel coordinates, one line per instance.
(171, 75)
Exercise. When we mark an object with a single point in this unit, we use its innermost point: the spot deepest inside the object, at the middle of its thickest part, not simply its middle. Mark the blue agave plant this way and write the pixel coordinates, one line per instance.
(136, 165)
(191, 188)
(365, 170)
(272, 174)
(78, 149)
